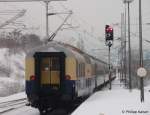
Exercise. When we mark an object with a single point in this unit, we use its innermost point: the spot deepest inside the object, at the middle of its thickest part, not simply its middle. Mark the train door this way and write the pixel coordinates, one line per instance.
(50, 72)
(50, 69)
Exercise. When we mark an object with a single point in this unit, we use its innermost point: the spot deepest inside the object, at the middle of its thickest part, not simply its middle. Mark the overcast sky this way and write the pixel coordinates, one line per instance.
(91, 15)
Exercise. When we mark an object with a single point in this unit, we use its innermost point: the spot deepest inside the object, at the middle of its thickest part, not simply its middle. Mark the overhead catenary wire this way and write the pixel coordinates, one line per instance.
(20, 14)
(83, 31)
(54, 34)
(82, 21)
(78, 29)
(135, 34)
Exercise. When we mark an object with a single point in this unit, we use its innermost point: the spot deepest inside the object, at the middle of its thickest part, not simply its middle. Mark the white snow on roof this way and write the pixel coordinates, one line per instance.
(57, 47)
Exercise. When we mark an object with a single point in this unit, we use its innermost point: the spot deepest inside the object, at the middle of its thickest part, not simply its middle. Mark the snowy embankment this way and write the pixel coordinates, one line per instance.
(11, 72)
(118, 101)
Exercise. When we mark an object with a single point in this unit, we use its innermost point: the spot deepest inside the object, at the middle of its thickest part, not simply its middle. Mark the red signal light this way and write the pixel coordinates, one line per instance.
(108, 33)
(32, 77)
(109, 29)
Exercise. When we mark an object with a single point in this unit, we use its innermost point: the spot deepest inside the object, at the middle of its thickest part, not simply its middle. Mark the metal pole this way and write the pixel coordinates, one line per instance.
(141, 50)
(95, 75)
(125, 69)
(47, 22)
(122, 56)
(109, 68)
(129, 48)
(120, 63)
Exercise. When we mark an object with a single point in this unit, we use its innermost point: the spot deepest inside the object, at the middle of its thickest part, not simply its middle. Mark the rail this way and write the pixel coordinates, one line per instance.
(12, 105)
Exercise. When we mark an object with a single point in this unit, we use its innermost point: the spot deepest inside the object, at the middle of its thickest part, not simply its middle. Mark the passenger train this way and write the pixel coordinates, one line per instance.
(57, 73)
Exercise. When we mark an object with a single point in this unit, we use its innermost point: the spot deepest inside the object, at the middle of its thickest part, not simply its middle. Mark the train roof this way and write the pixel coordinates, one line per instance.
(83, 53)
(69, 51)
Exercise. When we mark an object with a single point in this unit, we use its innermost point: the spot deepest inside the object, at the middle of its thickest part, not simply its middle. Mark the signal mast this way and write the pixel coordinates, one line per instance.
(109, 41)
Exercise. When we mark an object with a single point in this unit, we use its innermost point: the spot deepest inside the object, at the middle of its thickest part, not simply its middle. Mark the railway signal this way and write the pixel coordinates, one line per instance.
(109, 33)
(109, 37)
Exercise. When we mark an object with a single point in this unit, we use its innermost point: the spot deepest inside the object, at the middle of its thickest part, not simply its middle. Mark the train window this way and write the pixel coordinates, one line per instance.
(79, 85)
(79, 70)
(83, 69)
(46, 67)
(49, 64)
(45, 64)
(93, 69)
(82, 83)
(87, 84)
(55, 63)
(90, 82)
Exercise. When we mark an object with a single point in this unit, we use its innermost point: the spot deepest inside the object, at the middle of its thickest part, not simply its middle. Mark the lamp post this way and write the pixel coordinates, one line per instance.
(47, 14)
(129, 44)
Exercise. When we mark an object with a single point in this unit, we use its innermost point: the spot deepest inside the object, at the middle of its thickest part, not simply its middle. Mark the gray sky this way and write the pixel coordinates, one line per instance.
(96, 13)
(91, 15)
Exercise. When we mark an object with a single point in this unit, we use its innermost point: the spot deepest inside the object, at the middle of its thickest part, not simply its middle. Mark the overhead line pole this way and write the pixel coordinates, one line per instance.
(47, 22)
(129, 44)
(141, 50)
(129, 47)
(125, 67)
(122, 48)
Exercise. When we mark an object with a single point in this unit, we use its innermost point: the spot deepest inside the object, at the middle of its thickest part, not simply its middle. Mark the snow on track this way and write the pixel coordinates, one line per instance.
(23, 111)
(15, 105)
(13, 97)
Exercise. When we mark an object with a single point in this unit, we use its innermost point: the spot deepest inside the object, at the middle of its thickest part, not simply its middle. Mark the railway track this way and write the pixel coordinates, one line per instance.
(12, 105)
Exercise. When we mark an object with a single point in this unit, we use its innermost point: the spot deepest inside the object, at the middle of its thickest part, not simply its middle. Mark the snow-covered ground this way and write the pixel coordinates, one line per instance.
(24, 110)
(13, 97)
(118, 101)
